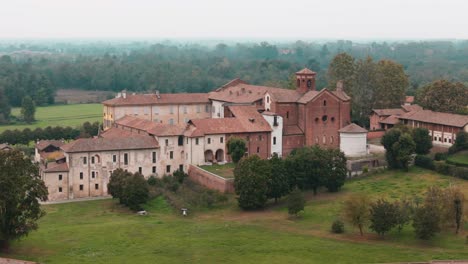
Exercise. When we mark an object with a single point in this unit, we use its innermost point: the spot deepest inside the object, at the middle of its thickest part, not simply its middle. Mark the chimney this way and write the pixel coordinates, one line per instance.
(124, 94)
(339, 86)
(157, 94)
(119, 94)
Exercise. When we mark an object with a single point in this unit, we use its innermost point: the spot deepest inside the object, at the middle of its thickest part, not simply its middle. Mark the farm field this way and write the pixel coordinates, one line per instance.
(59, 115)
(104, 232)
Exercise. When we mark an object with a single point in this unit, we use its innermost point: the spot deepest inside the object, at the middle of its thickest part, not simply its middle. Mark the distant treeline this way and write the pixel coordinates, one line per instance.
(38, 69)
(27, 135)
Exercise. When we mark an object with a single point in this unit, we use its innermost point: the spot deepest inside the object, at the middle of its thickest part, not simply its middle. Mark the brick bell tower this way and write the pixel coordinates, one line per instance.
(305, 80)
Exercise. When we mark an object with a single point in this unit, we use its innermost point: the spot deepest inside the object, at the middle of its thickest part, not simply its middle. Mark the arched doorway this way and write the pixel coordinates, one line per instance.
(220, 155)
(208, 155)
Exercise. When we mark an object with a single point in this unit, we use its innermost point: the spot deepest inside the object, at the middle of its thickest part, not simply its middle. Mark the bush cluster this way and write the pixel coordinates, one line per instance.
(130, 188)
(424, 162)
(451, 170)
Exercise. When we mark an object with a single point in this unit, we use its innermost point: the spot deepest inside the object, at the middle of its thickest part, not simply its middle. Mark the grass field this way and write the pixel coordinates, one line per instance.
(460, 157)
(103, 232)
(226, 170)
(60, 115)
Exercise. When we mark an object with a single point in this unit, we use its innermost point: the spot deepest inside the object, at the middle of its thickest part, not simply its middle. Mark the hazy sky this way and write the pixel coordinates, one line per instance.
(292, 19)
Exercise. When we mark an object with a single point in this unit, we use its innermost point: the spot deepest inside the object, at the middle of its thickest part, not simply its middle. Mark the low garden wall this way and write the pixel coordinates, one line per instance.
(210, 180)
(375, 134)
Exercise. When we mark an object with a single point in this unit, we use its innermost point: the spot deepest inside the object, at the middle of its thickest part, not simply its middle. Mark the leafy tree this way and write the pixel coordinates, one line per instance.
(278, 185)
(296, 202)
(356, 210)
(251, 182)
(404, 213)
(383, 216)
(426, 222)
(364, 92)
(135, 191)
(391, 83)
(443, 96)
(461, 142)
(28, 109)
(399, 148)
(423, 140)
(341, 68)
(117, 183)
(21, 189)
(5, 109)
(180, 175)
(236, 148)
(335, 173)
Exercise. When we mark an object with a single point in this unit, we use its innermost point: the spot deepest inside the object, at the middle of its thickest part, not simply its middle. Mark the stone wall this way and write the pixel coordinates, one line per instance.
(210, 180)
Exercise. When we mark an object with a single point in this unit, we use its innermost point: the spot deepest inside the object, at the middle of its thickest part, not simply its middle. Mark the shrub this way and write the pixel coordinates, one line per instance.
(440, 156)
(365, 169)
(460, 172)
(424, 162)
(442, 167)
(180, 176)
(337, 227)
(153, 181)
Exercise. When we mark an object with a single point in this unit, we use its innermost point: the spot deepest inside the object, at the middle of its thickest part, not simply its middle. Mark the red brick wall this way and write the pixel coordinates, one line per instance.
(375, 134)
(292, 142)
(374, 122)
(288, 111)
(210, 180)
(253, 142)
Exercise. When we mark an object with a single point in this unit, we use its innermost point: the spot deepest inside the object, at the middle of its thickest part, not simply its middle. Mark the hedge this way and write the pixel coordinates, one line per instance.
(424, 162)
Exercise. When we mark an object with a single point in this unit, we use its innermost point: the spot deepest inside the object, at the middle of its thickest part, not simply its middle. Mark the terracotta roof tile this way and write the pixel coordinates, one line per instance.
(306, 71)
(151, 127)
(429, 116)
(391, 120)
(152, 99)
(352, 128)
(409, 108)
(115, 132)
(42, 144)
(102, 144)
(388, 112)
(56, 167)
(292, 130)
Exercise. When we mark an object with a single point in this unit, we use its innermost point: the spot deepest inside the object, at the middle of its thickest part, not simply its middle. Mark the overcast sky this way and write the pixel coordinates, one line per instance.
(268, 19)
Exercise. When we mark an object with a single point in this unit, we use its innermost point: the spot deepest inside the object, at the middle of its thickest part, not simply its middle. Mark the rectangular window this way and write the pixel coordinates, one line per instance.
(171, 109)
(171, 121)
(60, 177)
(207, 108)
(153, 170)
(114, 158)
(155, 110)
(180, 141)
(181, 167)
(125, 158)
(92, 160)
(258, 149)
(247, 138)
(140, 170)
(287, 114)
(81, 175)
(186, 141)
(185, 109)
(260, 137)
(196, 141)
(171, 154)
(209, 140)
(274, 140)
(60, 189)
(166, 142)
(198, 109)
(81, 187)
(93, 174)
(168, 169)
(154, 156)
(96, 186)
(85, 160)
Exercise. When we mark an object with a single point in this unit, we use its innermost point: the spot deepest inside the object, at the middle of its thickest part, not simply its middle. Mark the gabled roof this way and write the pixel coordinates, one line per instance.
(352, 128)
(151, 127)
(292, 130)
(429, 116)
(115, 132)
(42, 144)
(153, 99)
(104, 144)
(56, 167)
(409, 108)
(391, 120)
(389, 111)
(246, 120)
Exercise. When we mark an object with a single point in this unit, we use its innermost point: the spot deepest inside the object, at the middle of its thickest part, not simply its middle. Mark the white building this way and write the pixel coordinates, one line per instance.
(353, 140)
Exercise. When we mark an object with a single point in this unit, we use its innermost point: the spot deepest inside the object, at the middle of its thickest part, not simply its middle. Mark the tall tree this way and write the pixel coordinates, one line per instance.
(341, 68)
(336, 171)
(391, 83)
(5, 109)
(423, 140)
(356, 210)
(443, 96)
(236, 148)
(278, 185)
(21, 189)
(363, 91)
(250, 182)
(383, 216)
(28, 109)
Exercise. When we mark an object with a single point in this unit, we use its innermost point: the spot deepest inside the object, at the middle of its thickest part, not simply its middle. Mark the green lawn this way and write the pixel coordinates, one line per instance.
(460, 157)
(60, 115)
(226, 171)
(103, 232)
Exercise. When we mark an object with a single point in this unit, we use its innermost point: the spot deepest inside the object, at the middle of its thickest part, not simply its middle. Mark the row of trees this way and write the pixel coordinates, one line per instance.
(131, 189)
(440, 209)
(444, 96)
(27, 135)
(256, 180)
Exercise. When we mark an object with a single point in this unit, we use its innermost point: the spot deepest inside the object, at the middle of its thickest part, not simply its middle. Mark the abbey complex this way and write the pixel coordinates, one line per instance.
(157, 134)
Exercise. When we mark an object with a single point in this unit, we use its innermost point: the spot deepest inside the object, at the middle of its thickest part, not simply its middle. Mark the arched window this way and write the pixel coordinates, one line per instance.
(268, 99)
(331, 139)
(324, 139)
(324, 102)
(316, 140)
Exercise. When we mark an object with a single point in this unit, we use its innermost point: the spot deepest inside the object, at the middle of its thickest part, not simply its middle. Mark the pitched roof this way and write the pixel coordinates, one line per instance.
(153, 99)
(292, 130)
(5, 146)
(306, 71)
(352, 128)
(246, 120)
(151, 127)
(389, 112)
(429, 116)
(102, 144)
(342, 95)
(409, 108)
(307, 97)
(42, 144)
(391, 120)
(115, 132)
(56, 167)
